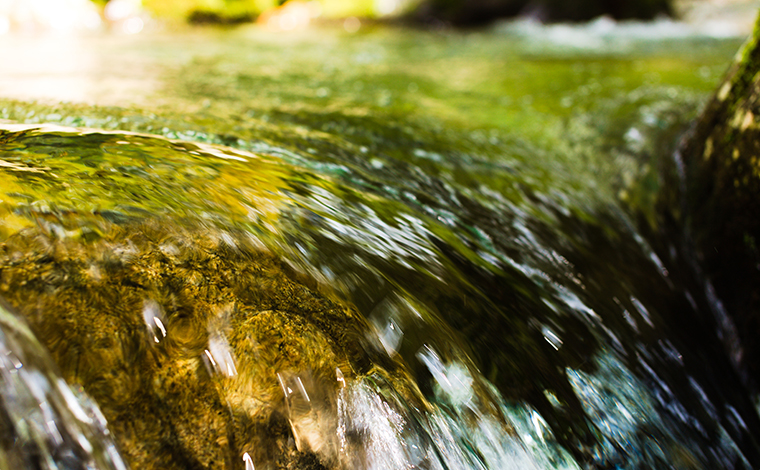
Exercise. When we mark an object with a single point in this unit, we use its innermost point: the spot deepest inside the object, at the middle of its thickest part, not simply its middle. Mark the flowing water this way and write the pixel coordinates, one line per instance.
(382, 250)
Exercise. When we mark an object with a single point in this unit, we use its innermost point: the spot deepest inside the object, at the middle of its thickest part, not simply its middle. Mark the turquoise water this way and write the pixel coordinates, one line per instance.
(485, 200)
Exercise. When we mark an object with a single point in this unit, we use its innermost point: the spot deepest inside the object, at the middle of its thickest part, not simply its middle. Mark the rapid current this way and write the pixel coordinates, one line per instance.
(384, 249)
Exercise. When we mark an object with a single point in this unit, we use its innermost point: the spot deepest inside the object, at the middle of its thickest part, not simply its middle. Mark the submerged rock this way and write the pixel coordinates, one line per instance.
(202, 349)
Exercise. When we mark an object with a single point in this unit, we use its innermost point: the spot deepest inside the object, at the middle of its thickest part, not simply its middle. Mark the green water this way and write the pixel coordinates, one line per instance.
(481, 198)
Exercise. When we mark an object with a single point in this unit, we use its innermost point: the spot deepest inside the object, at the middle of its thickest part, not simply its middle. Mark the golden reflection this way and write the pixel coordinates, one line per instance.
(95, 328)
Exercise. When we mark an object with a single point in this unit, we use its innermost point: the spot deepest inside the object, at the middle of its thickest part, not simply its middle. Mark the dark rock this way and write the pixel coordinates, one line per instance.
(719, 206)
(478, 12)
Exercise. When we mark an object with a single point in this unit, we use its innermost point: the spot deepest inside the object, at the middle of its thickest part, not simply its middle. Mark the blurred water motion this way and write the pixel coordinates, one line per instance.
(406, 250)
(43, 422)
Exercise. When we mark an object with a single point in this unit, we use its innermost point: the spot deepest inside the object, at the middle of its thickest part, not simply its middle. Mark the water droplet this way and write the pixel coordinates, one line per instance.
(248, 462)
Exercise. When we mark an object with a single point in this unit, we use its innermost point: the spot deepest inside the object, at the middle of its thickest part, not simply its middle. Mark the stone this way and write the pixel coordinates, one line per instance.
(714, 199)
(198, 346)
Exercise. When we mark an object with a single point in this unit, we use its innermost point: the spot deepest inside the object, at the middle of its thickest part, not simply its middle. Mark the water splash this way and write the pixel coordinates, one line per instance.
(45, 423)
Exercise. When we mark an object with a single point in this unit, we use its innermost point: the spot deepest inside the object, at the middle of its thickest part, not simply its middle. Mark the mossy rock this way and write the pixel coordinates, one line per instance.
(189, 340)
(718, 202)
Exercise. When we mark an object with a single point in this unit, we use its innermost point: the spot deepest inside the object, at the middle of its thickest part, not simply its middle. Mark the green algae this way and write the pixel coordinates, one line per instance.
(103, 174)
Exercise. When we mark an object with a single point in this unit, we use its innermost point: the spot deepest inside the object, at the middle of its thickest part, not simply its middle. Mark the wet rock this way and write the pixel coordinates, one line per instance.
(720, 202)
(198, 346)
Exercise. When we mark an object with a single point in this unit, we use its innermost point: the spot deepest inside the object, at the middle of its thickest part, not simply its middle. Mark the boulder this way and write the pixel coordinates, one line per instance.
(715, 200)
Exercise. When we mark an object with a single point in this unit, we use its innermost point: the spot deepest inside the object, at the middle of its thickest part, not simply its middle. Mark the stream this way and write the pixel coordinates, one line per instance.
(380, 249)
